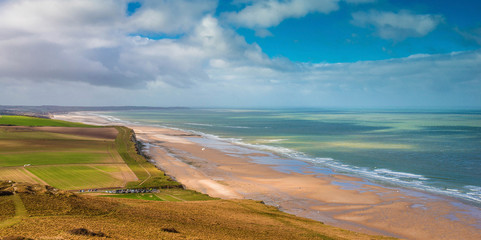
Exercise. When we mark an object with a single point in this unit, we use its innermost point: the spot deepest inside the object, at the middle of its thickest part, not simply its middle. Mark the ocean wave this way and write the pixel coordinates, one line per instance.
(235, 127)
(200, 124)
(270, 140)
(109, 118)
(210, 125)
(382, 175)
(388, 172)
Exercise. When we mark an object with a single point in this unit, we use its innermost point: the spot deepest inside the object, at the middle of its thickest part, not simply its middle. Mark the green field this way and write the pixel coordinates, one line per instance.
(63, 157)
(75, 177)
(17, 134)
(35, 122)
(169, 195)
(141, 196)
(70, 158)
(52, 158)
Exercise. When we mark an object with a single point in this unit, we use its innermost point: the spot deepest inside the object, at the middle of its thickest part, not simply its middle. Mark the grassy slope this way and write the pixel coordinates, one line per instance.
(51, 215)
(148, 174)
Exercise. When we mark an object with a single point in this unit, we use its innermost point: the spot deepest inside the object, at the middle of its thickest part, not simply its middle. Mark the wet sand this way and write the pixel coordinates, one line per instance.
(227, 171)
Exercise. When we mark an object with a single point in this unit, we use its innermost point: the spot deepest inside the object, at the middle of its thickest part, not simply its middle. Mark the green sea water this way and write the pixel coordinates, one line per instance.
(435, 151)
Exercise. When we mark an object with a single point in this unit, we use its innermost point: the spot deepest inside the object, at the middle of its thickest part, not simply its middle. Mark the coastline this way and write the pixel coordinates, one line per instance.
(235, 172)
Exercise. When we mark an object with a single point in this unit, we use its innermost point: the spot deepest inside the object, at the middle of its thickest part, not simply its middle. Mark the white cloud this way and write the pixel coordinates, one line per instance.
(94, 41)
(263, 33)
(398, 26)
(268, 13)
(170, 16)
(359, 1)
(420, 80)
(51, 53)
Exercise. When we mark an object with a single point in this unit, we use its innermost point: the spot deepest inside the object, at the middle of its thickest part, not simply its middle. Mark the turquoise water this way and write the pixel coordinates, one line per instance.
(435, 151)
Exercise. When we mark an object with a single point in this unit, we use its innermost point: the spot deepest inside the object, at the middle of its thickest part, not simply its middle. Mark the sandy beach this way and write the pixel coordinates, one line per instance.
(233, 172)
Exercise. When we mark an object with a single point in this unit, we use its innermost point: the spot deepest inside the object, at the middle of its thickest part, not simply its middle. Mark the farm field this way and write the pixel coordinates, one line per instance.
(34, 121)
(67, 156)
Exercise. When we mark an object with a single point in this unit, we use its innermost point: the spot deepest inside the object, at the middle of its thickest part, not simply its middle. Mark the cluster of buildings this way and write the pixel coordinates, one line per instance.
(140, 190)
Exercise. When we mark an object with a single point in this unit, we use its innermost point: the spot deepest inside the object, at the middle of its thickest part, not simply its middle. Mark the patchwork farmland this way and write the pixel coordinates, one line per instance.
(64, 157)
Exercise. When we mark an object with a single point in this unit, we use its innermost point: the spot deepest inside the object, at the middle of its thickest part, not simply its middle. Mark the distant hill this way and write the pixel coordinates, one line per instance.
(45, 110)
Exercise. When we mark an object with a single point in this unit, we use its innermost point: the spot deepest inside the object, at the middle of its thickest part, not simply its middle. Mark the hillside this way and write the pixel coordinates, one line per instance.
(42, 212)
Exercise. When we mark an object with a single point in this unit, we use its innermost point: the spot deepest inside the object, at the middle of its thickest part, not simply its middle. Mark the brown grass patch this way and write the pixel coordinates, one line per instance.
(103, 133)
(18, 174)
(55, 215)
(7, 208)
(16, 238)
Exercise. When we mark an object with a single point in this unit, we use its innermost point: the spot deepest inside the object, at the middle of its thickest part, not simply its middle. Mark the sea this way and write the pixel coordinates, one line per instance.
(435, 151)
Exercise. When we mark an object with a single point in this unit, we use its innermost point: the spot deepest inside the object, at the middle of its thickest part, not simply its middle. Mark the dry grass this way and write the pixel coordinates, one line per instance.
(54, 214)
(17, 174)
(97, 133)
(7, 208)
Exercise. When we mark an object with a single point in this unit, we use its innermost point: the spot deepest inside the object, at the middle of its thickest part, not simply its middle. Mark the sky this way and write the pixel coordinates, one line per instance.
(241, 53)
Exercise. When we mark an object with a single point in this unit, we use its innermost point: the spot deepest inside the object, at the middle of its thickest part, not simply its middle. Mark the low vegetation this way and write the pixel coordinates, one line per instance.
(56, 214)
(7, 120)
(169, 195)
(148, 175)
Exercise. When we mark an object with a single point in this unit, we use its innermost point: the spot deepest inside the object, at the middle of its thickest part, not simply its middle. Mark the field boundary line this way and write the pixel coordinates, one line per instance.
(180, 199)
(34, 177)
(161, 198)
(150, 175)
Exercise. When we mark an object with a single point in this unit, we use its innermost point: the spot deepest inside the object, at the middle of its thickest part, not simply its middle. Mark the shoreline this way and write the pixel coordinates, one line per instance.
(335, 199)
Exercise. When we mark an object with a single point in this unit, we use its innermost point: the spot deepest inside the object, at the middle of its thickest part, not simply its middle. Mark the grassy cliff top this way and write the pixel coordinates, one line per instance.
(8, 120)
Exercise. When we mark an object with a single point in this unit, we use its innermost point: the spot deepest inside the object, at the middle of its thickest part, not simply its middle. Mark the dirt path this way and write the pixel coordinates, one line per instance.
(20, 212)
(150, 175)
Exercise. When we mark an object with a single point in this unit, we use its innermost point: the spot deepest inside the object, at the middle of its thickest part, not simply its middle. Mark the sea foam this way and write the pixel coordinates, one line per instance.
(381, 176)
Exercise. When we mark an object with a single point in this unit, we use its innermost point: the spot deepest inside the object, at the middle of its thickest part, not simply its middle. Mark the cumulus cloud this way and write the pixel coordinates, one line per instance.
(397, 26)
(171, 16)
(451, 79)
(268, 13)
(94, 51)
(98, 43)
(359, 1)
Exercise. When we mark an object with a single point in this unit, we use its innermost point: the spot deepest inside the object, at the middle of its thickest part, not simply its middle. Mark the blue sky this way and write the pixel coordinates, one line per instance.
(241, 53)
(333, 37)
